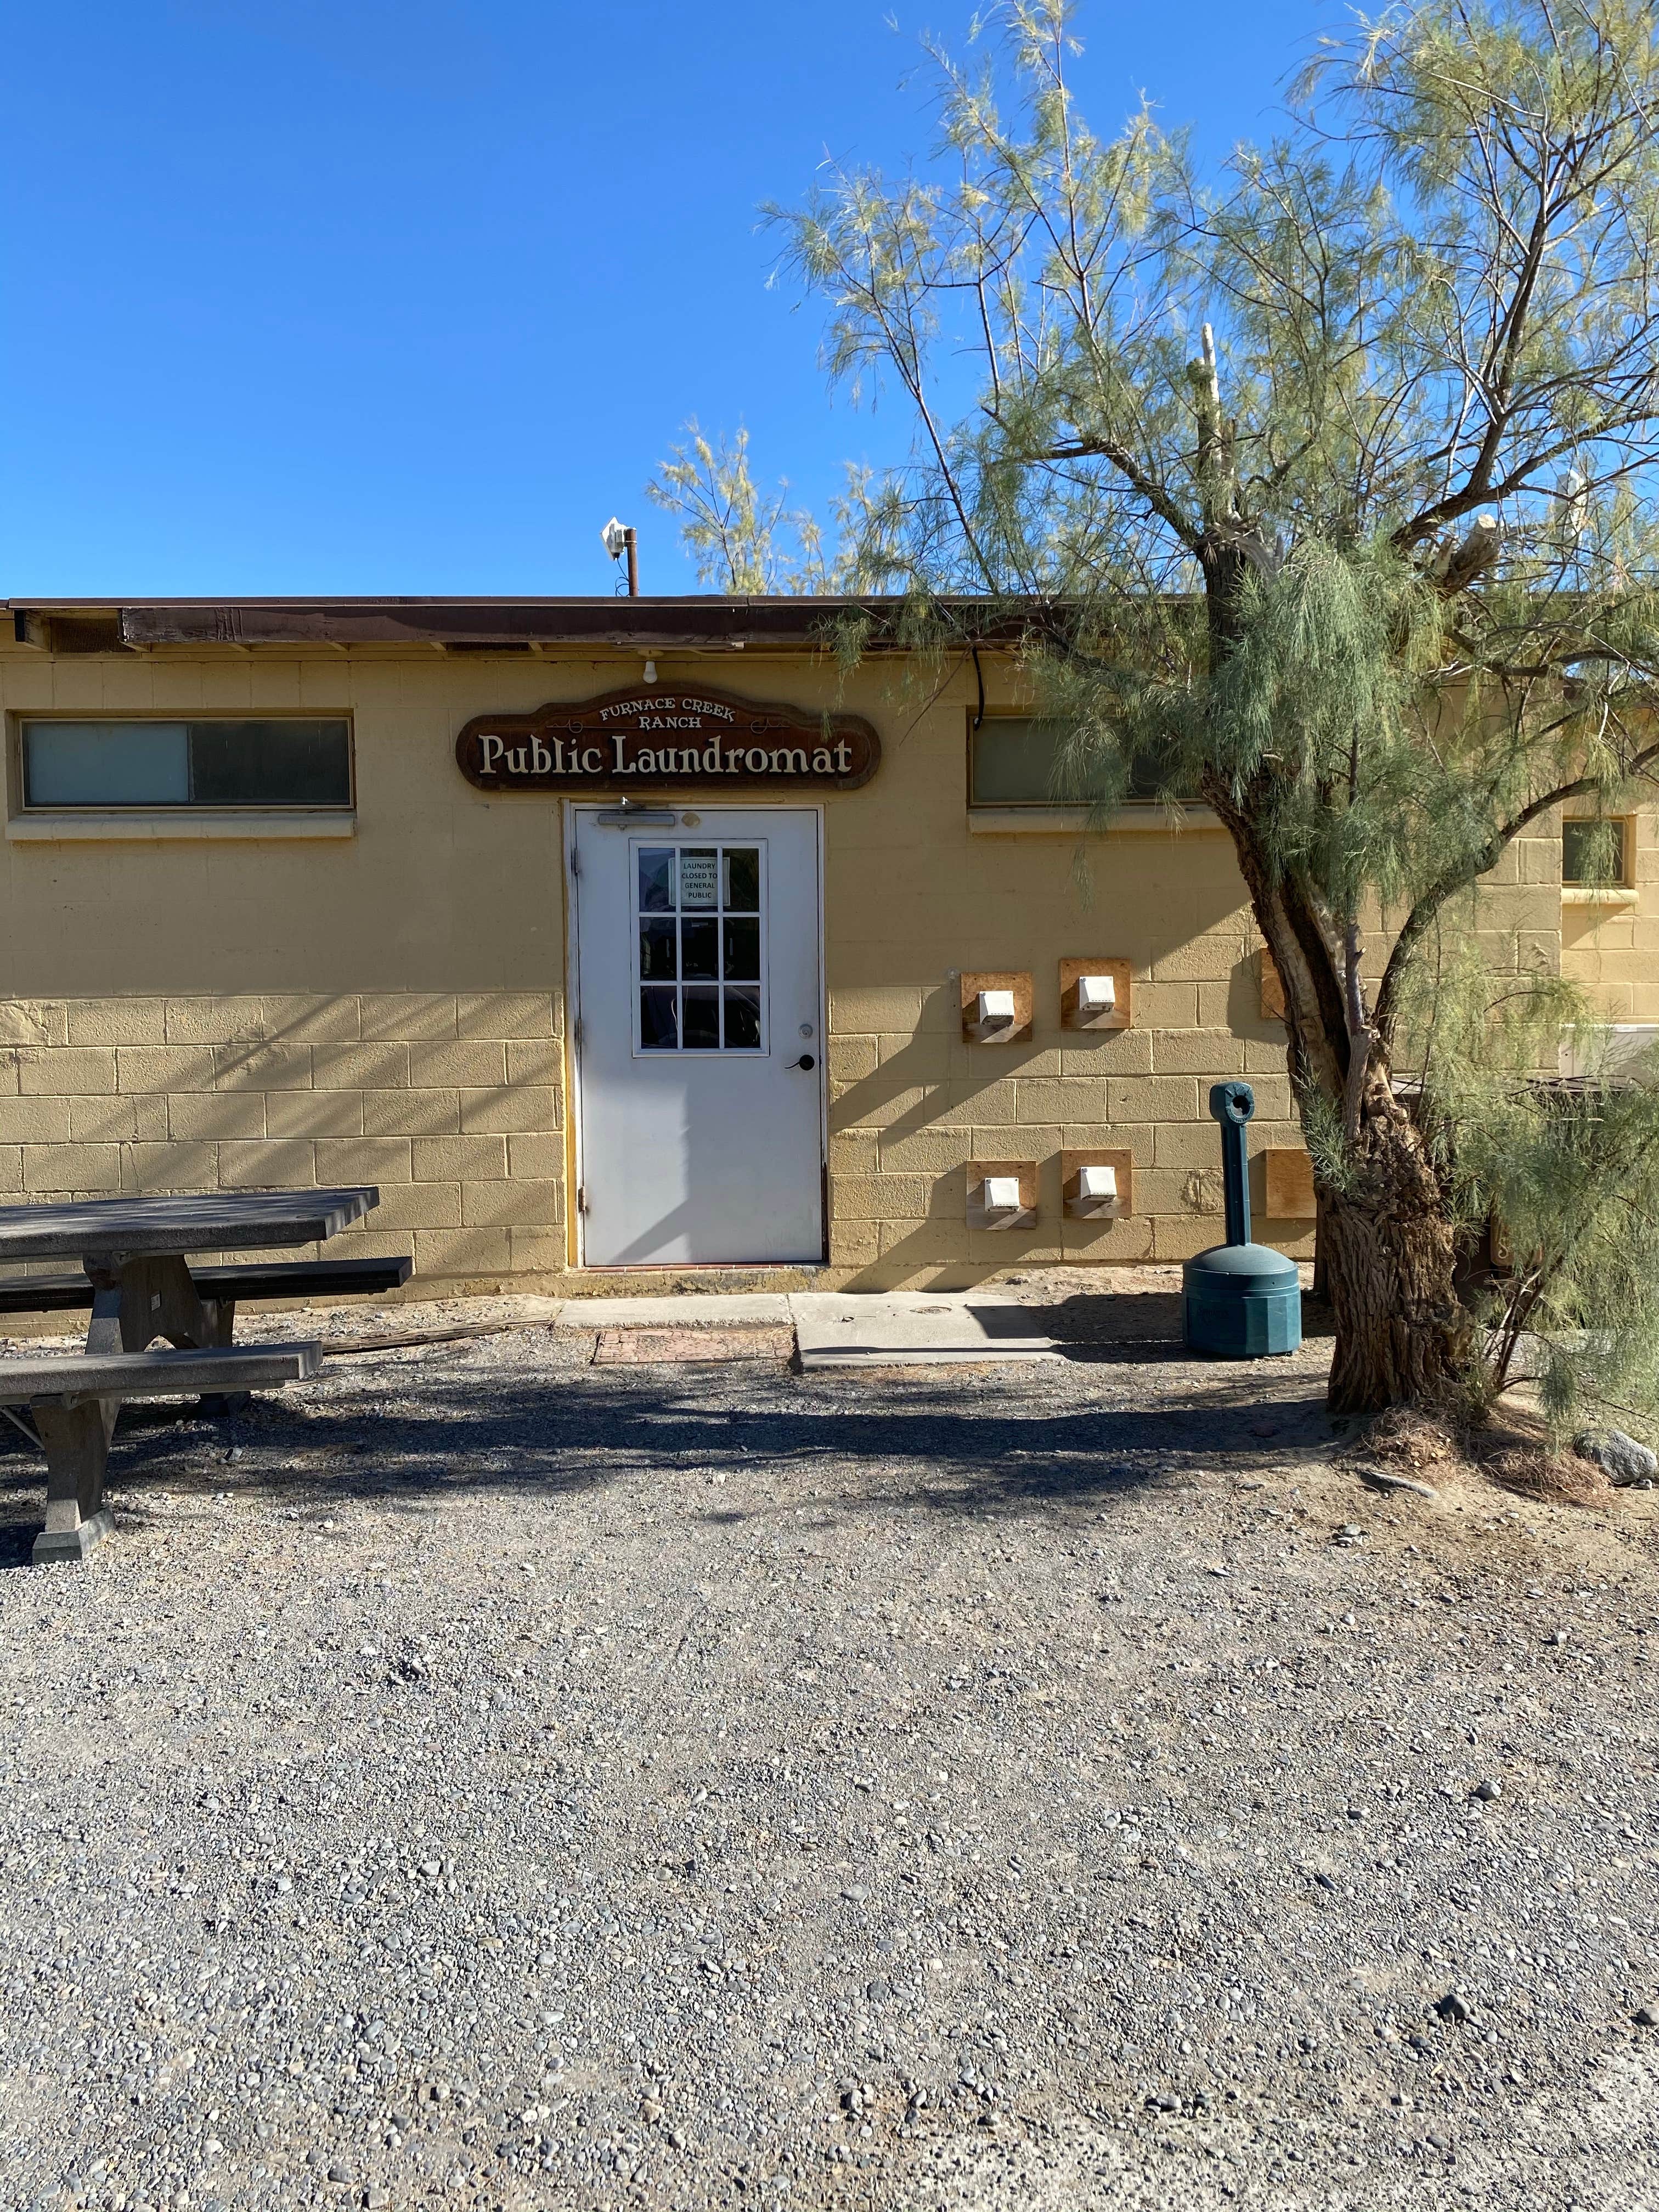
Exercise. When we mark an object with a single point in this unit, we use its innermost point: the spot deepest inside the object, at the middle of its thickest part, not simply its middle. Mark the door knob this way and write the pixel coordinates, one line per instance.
(805, 1060)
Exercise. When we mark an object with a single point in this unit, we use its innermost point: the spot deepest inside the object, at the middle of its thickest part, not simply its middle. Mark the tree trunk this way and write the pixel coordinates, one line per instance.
(1390, 1255)
(1387, 1243)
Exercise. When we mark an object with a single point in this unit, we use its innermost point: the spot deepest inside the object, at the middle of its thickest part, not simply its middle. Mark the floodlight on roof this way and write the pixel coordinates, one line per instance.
(620, 539)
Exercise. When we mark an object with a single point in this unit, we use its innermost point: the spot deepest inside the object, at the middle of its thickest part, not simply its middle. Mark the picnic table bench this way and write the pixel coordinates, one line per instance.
(221, 1288)
(138, 1285)
(75, 1403)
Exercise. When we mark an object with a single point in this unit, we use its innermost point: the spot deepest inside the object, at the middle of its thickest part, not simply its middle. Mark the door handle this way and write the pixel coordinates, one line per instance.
(805, 1060)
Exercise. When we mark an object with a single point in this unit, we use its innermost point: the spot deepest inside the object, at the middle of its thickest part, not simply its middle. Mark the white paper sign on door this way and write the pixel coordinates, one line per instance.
(699, 878)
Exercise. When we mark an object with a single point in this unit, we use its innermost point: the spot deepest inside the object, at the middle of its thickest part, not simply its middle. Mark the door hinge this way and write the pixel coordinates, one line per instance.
(581, 1198)
(578, 1033)
(575, 861)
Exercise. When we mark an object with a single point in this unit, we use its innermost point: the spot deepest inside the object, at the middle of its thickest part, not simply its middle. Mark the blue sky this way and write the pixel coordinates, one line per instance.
(410, 295)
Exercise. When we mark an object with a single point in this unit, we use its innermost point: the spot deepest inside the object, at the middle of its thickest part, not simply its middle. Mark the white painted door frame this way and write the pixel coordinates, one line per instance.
(572, 809)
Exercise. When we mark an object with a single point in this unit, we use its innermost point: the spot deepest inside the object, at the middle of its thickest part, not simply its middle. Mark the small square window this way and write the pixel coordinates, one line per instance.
(1595, 851)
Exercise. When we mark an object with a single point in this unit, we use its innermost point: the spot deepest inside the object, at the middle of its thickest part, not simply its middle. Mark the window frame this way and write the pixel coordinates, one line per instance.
(1582, 887)
(697, 841)
(1066, 813)
(104, 816)
(974, 721)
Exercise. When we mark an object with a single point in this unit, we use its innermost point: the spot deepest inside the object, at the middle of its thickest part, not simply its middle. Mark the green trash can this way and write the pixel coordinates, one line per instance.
(1239, 1300)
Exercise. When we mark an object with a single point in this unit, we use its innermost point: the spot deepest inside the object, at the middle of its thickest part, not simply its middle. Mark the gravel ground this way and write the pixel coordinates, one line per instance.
(488, 1779)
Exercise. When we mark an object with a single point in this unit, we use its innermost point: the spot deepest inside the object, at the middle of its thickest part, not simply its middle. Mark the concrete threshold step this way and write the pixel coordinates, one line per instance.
(829, 1328)
(679, 1309)
(652, 1347)
(899, 1328)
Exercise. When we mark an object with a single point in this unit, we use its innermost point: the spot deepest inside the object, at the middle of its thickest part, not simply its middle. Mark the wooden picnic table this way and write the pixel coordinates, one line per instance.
(133, 1251)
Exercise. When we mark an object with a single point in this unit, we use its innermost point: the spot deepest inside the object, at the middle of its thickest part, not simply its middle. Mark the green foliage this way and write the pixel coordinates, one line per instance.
(1323, 487)
(1568, 1173)
(743, 541)
(1436, 309)
(1579, 1195)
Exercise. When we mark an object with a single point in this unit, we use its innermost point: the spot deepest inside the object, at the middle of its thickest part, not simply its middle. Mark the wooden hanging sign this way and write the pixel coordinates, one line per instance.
(667, 739)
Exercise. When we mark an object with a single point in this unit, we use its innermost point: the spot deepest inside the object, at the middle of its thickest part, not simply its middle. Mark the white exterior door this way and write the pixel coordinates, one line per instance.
(699, 1056)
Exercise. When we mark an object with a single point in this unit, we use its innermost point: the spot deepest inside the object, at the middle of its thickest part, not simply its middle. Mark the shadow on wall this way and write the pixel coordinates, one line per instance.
(451, 1103)
(1244, 1016)
(919, 1114)
(928, 1255)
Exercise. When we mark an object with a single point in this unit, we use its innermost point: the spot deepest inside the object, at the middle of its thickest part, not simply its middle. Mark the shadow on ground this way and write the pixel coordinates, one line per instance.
(966, 1441)
(1108, 1326)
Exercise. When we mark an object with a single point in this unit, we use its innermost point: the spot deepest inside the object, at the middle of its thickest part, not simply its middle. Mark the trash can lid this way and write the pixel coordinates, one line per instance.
(1233, 1270)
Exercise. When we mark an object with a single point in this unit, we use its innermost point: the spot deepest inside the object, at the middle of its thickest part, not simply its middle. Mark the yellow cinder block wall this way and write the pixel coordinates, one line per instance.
(1611, 946)
(205, 1013)
(386, 1008)
(914, 897)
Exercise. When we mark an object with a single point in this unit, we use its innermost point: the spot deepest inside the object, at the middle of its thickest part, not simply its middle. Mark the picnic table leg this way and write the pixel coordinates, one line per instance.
(103, 1332)
(77, 1433)
(219, 1321)
(135, 1299)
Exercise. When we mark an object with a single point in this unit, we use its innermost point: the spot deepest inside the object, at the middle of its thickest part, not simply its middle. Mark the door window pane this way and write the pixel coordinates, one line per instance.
(702, 1017)
(658, 1021)
(742, 952)
(656, 882)
(742, 873)
(656, 951)
(699, 876)
(691, 944)
(700, 948)
(743, 1021)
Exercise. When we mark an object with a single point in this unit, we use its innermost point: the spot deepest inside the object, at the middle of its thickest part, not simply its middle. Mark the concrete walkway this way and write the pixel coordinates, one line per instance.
(840, 1328)
(909, 1328)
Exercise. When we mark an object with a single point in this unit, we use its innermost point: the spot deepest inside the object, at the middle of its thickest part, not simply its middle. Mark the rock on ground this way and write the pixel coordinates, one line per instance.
(1620, 1457)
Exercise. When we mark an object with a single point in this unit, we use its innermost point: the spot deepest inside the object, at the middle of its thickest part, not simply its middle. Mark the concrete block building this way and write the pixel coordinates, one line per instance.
(629, 943)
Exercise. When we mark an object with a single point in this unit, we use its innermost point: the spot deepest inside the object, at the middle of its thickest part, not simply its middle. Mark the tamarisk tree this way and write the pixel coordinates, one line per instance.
(1324, 493)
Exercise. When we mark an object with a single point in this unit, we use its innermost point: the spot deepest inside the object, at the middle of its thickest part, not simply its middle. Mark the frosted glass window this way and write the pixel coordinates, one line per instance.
(1011, 763)
(1012, 760)
(227, 761)
(106, 764)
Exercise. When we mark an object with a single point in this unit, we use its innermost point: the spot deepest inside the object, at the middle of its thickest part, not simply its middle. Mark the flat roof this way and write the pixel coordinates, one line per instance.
(655, 625)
